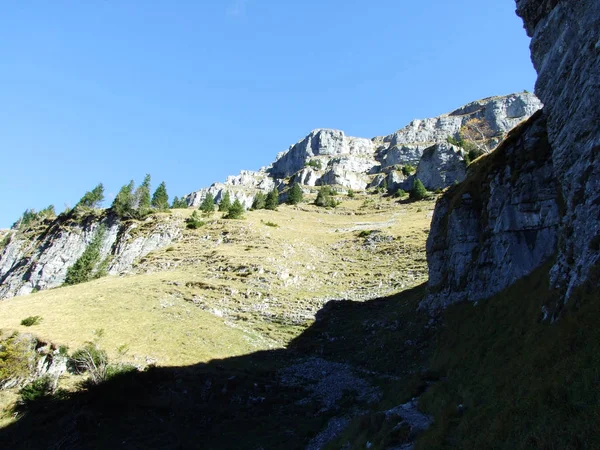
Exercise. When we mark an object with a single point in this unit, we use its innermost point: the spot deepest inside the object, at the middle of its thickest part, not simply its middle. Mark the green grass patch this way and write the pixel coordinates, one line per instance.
(31, 320)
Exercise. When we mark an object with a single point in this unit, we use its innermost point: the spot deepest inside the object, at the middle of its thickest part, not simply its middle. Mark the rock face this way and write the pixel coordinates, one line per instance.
(329, 157)
(41, 260)
(565, 50)
(504, 220)
(499, 224)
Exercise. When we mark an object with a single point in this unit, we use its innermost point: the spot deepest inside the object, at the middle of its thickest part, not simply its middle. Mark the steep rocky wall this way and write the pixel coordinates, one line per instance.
(479, 245)
(40, 259)
(499, 224)
(565, 50)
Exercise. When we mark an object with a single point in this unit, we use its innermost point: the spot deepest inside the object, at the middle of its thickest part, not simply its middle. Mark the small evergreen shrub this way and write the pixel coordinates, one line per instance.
(271, 224)
(454, 141)
(37, 390)
(315, 164)
(400, 193)
(418, 191)
(325, 197)
(236, 210)
(193, 222)
(31, 320)
(408, 170)
(350, 193)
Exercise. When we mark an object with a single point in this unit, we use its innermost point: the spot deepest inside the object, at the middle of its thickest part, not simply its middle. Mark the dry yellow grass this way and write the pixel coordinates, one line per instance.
(235, 286)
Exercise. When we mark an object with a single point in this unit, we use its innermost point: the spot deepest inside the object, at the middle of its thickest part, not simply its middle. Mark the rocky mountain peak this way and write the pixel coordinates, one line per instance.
(330, 157)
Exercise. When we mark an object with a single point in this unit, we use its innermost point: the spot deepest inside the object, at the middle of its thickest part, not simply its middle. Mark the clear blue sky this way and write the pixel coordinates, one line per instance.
(192, 91)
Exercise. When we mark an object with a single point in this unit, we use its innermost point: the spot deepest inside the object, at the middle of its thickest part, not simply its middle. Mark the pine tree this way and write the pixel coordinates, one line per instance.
(272, 201)
(208, 204)
(260, 200)
(325, 197)
(123, 203)
(179, 203)
(83, 269)
(295, 194)
(236, 210)
(418, 191)
(160, 199)
(225, 203)
(93, 198)
(142, 197)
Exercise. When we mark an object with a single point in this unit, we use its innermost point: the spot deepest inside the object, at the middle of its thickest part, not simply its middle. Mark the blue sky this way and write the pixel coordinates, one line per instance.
(193, 91)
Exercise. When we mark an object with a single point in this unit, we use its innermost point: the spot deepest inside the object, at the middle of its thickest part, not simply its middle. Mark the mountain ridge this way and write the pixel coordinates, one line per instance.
(329, 157)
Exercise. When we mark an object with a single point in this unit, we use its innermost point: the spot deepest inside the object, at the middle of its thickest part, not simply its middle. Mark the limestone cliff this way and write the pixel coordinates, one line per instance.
(499, 224)
(504, 220)
(565, 49)
(329, 157)
(39, 258)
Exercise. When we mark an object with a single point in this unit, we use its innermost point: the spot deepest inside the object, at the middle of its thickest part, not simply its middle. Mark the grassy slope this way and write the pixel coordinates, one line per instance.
(235, 286)
(133, 311)
(523, 383)
(238, 402)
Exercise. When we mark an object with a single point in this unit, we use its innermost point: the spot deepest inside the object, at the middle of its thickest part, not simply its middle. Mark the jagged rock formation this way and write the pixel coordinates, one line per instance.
(40, 259)
(504, 220)
(499, 224)
(329, 157)
(565, 50)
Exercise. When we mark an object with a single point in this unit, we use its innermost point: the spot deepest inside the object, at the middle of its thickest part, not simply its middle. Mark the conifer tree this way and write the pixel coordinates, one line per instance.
(124, 201)
(225, 203)
(179, 203)
(142, 196)
(236, 210)
(84, 268)
(324, 197)
(208, 204)
(93, 198)
(418, 191)
(272, 201)
(295, 194)
(260, 200)
(160, 199)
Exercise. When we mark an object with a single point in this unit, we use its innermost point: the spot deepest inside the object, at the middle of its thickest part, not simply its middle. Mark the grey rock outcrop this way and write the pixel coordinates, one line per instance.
(565, 50)
(329, 157)
(41, 260)
(499, 224)
(441, 165)
(484, 237)
(407, 145)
